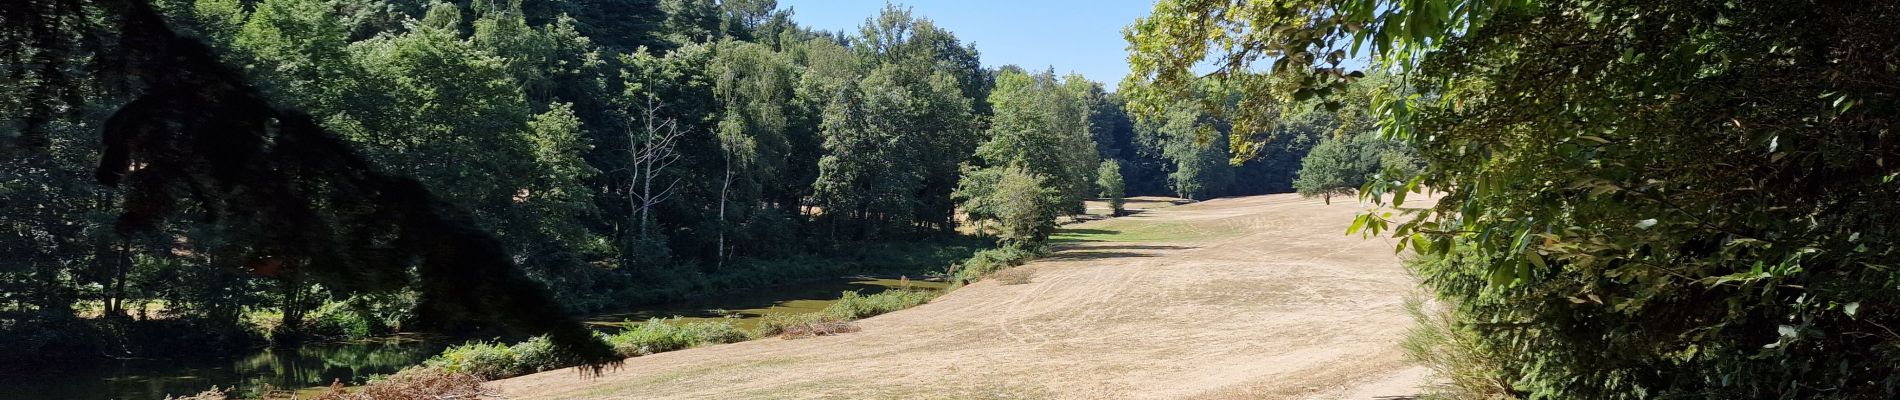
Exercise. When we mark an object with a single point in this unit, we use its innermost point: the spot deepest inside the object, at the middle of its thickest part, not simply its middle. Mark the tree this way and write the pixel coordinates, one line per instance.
(1041, 125)
(755, 86)
(1693, 183)
(1192, 143)
(650, 151)
(893, 138)
(1022, 204)
(888, 141)
(1334, 167)
(1108, 178)
(196, 138)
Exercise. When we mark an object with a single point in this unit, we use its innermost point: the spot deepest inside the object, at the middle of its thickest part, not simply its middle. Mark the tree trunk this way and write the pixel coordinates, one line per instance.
(724, 188)
(646, 203)
(116, 305)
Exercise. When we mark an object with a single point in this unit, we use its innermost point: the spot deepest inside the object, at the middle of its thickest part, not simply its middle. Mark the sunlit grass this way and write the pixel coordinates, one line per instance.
(1133, 230)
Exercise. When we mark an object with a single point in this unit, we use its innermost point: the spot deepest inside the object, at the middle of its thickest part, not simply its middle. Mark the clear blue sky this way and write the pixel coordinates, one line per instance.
(1070, 35)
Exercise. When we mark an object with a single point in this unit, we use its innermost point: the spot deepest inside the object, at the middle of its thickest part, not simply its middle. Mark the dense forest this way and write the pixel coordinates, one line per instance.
(615, 152)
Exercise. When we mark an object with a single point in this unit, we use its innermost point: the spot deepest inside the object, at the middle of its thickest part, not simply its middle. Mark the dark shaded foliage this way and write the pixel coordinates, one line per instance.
(199, 139)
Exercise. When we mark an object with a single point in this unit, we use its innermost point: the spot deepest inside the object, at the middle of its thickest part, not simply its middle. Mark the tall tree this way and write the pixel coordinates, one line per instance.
(1108, 180)
(1041, 125)
(754, 86)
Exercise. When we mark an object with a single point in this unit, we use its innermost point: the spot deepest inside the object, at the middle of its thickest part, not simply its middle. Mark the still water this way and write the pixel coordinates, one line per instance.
(318, 365)
(306, 366)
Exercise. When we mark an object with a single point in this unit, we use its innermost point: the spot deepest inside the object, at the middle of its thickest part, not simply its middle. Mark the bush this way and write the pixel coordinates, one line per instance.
(487, 360)
(854, 306)
(660, 335)
(337, 320)
(483, 360)
(987, 261)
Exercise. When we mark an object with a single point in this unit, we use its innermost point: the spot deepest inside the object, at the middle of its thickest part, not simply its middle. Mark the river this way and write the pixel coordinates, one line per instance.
(317, 365)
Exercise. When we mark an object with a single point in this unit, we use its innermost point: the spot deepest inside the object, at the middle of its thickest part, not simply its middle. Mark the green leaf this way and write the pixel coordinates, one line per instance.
(1852, 309)
(1502, 274)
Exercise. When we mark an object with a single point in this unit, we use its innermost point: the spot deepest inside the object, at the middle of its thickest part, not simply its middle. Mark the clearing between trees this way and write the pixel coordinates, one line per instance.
(1255, 297)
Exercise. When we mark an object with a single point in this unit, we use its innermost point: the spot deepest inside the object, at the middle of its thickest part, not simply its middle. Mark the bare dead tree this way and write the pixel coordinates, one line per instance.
(651, 149)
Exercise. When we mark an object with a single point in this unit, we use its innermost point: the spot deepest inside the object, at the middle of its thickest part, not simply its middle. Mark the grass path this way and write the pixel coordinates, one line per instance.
(1245, 298)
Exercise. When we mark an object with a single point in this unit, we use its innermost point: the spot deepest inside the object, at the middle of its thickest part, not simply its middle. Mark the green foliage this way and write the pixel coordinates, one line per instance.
(661, 335)
(491, 360)
(361, 317)
(1108, 180)
(989, 261)
(485, 360)
(1331, 169)
(1023, 205)
(851, 305)
(1041, 127)
(1339, 166)
(892, 143)
(1693, 184)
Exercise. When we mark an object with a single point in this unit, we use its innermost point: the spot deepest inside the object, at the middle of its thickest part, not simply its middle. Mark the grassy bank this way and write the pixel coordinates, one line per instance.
(492, 360)
(921, 257)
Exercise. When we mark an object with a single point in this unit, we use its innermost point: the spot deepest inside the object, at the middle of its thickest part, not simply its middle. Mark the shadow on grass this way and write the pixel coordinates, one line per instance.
(757, 302)
(1095, 255)
(1084, 247)
(1081, 235)
(1077, 219)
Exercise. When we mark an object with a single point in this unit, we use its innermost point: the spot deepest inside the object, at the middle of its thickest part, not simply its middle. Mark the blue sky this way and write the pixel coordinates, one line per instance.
(1072, 36)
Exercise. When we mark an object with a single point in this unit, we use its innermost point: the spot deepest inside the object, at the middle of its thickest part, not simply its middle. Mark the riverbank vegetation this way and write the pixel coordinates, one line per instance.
(1700, 187)
(491, 360)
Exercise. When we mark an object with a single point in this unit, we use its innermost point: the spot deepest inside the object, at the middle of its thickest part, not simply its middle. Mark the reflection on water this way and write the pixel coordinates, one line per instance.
(307, 366)
(320, 364)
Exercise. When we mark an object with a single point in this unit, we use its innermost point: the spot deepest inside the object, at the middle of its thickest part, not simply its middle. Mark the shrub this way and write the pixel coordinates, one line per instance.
(536, 355)
(489, 360)
(337, 320)
(659, 335)
(1023, 203)
(987, 261)
(483, 360)
(854, 306)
